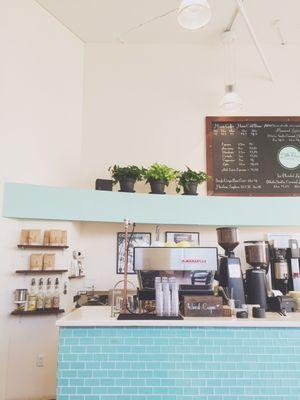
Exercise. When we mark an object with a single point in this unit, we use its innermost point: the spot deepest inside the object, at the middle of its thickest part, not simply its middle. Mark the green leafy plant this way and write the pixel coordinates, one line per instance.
(160, 172)
(131, 171)
(186, 178)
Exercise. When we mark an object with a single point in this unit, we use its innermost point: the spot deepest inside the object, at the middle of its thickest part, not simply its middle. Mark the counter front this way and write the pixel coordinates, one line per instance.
(194, 359)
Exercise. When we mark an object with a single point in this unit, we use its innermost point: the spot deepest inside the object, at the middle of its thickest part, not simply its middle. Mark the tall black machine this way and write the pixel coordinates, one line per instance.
(230, 273)
(257, 255)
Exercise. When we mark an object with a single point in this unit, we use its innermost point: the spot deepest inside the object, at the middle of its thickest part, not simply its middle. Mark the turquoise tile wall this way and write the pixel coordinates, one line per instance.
(179, 364)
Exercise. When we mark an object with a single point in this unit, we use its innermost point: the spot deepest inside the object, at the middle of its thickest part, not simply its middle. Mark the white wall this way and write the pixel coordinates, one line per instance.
(41, 93)
(148, 103)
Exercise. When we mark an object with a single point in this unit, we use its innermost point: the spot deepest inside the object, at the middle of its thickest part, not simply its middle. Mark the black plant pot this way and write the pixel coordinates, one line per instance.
(191, 190)
(157, 187)
(127, 185)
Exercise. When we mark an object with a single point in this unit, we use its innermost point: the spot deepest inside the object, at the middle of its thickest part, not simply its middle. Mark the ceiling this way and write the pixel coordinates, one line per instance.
(108, 21)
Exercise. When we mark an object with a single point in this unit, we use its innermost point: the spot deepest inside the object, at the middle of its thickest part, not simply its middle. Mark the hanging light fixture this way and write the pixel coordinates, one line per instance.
(194, 14)
(231, 101)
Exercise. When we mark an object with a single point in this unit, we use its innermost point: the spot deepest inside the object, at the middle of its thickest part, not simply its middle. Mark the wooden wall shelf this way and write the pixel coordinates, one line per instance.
(77, 277)
(37, 312)
(42, 247)
(64, 204)
(41, 271)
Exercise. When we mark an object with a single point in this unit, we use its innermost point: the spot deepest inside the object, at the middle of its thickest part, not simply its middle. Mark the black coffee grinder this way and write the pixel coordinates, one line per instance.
(230, 273)
(257, 255)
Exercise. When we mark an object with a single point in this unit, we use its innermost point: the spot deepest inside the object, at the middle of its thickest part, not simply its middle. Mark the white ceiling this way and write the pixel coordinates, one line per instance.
(108, 20)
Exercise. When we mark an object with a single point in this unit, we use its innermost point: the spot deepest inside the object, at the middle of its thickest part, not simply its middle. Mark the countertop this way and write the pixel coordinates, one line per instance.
(100, 316)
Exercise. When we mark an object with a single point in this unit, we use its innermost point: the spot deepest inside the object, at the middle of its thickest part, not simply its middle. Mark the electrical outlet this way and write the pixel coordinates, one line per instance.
(40, 360)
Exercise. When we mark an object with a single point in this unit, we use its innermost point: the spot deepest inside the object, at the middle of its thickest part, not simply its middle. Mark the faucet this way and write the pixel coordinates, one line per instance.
(112, 314)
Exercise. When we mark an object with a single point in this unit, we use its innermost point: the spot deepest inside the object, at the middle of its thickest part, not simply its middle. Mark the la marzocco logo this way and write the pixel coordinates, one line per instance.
(194, 261)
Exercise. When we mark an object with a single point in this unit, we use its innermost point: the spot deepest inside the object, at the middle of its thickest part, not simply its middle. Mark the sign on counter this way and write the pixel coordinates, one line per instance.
(253, 156)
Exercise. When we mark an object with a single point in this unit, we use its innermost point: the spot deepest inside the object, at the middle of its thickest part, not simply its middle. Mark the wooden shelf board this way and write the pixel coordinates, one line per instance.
(41, 246)
(40, 271)
(77, 277)
(37, 312)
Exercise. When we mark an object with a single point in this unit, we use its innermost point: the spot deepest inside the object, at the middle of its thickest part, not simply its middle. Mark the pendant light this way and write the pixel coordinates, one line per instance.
(231, 101)
(193, 14)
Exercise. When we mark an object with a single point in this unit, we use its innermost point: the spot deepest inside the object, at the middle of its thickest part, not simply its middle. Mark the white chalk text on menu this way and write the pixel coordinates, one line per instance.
(253, 156)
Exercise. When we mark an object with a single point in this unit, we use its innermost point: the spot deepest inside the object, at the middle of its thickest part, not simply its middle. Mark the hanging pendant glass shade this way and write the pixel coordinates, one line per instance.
(231, 101)
(194, 14)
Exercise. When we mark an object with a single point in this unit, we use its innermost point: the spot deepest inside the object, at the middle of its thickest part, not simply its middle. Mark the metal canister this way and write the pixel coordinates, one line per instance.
(21, 295)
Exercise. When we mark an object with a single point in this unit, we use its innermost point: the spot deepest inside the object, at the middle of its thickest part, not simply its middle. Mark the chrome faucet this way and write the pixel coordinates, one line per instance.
(113, 313)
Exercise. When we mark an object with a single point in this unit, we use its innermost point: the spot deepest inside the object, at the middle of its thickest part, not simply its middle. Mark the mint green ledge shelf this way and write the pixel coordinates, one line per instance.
(68, 204)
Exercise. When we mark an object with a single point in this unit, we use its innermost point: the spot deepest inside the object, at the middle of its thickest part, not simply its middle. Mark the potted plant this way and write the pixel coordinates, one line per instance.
(189, 181)
(126, 176)
(159, 176)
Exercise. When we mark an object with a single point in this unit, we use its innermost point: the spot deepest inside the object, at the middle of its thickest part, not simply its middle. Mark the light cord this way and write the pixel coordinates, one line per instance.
(139, 26)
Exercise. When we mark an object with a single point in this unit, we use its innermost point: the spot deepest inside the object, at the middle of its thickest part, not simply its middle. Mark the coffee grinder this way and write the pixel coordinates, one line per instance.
(293, 258)
(280, 270)
(284, 267)
(257, 255)
(230, 273)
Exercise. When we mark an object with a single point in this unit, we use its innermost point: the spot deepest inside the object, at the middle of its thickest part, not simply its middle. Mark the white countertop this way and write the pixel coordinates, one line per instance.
(100, 316)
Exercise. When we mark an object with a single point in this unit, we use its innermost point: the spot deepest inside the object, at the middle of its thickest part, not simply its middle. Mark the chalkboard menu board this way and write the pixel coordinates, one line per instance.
(253, 156)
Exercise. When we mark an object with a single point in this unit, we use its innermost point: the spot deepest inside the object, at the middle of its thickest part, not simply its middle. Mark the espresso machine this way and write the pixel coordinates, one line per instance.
(257, 255)
(229, 272)
(193, 267)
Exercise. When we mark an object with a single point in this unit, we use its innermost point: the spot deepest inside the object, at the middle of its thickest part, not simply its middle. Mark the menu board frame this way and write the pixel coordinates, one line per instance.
(209, 152)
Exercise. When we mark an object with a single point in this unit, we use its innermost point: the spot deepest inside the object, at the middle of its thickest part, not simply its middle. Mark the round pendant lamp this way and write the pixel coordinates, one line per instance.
(194, 14)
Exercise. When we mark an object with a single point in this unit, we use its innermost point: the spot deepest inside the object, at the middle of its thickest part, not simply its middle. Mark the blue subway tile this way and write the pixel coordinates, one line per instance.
(77, 365)
(85, 373)
(89, 382)
(69, 373)
(84, 357)
(178, 363)
(86, 340)
(76, 382)
(84, 390)
(68, 390)
(70, 357)
(66, 332)
(71, 341)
